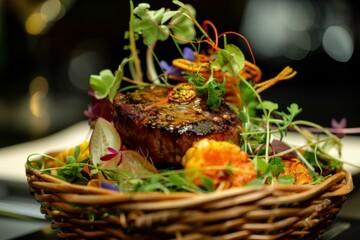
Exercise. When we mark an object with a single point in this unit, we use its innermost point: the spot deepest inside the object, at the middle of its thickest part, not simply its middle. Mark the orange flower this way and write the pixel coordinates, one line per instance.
(294, 167)
(225, 163)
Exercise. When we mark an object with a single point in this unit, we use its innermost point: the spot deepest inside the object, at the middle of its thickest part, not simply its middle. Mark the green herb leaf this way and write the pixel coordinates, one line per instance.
(168, 15)
(118, 77)
(77, 152)
(294, 110)
(197, 80)
(101, 84)
(215, 92)
(148, 24)
(260, 164)
(70, 159)
(208, 183)
(214, 89)
(94, 171)
(256, 182)
(230, 60)
(73, 173)
(286, 179)
(182, 24)
(269, 106)
(276, 165)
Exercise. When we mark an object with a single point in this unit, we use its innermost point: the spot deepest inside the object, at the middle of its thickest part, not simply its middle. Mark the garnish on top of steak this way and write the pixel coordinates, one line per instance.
(187, 114)
(163, 122)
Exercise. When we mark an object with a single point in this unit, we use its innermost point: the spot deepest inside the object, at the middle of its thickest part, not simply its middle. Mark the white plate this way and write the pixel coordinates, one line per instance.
(350, 151)
(13, 158)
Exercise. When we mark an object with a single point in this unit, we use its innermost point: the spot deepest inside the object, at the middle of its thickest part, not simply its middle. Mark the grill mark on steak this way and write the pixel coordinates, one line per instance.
(167, 130)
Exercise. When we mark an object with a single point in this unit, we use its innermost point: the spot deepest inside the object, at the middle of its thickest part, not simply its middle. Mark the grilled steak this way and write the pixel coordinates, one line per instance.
(148, 120)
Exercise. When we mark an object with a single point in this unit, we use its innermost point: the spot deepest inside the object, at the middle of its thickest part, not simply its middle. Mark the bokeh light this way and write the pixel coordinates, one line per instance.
(338, 43)
(292, 29)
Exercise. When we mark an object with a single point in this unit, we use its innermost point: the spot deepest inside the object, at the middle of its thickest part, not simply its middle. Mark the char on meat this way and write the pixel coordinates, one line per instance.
(163, 130)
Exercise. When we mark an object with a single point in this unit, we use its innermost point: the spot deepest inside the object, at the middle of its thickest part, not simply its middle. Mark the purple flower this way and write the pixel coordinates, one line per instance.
(98, 108)
(171, 69)
(338, 127)
(109, 186)
(112, 154)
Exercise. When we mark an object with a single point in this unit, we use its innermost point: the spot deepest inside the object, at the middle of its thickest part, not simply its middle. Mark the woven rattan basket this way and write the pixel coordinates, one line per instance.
(256, 212)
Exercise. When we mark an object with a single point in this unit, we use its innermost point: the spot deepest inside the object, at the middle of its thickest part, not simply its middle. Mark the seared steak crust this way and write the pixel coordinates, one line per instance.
(164, 130)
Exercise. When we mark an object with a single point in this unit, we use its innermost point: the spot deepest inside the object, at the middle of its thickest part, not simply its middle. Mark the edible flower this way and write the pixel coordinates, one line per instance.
(109, 186)
(174, 71)
(296, 172)
(223, 162)
(98, 108)
(101, 183)
(78, 153)
(111, 155)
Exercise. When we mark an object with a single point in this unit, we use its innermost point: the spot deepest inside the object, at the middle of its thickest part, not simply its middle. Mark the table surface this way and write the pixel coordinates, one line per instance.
(42, 231)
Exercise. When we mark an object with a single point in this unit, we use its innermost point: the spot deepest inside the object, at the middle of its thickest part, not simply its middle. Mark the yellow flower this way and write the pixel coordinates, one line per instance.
(225, 163)
(84, 154)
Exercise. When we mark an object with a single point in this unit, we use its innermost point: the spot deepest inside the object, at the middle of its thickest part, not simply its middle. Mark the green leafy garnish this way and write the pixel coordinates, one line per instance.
(102, 83)
(149, 24)
(213, 89)
(287, 179)
(230, 60)
(156, 25)
(276, 166)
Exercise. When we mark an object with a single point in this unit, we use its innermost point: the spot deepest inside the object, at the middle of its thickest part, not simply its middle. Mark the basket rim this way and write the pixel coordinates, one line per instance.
(82, 194)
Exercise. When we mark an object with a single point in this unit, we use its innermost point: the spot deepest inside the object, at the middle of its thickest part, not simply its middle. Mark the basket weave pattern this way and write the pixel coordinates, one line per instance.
(256, 212)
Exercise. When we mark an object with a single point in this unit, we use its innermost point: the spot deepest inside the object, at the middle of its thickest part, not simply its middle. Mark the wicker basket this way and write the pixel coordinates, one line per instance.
(256, 212)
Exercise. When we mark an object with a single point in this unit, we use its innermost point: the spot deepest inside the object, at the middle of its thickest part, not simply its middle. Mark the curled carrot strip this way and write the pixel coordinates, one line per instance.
(251, 72)
(207, 23)
(190, 66)
(285, 74)
(244, 38)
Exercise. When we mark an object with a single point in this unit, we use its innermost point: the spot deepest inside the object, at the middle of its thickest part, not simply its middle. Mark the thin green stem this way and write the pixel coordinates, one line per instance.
(133, 49)
(151, 70)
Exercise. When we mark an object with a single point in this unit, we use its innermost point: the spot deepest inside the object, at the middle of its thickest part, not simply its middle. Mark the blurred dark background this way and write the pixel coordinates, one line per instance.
(49, 48)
